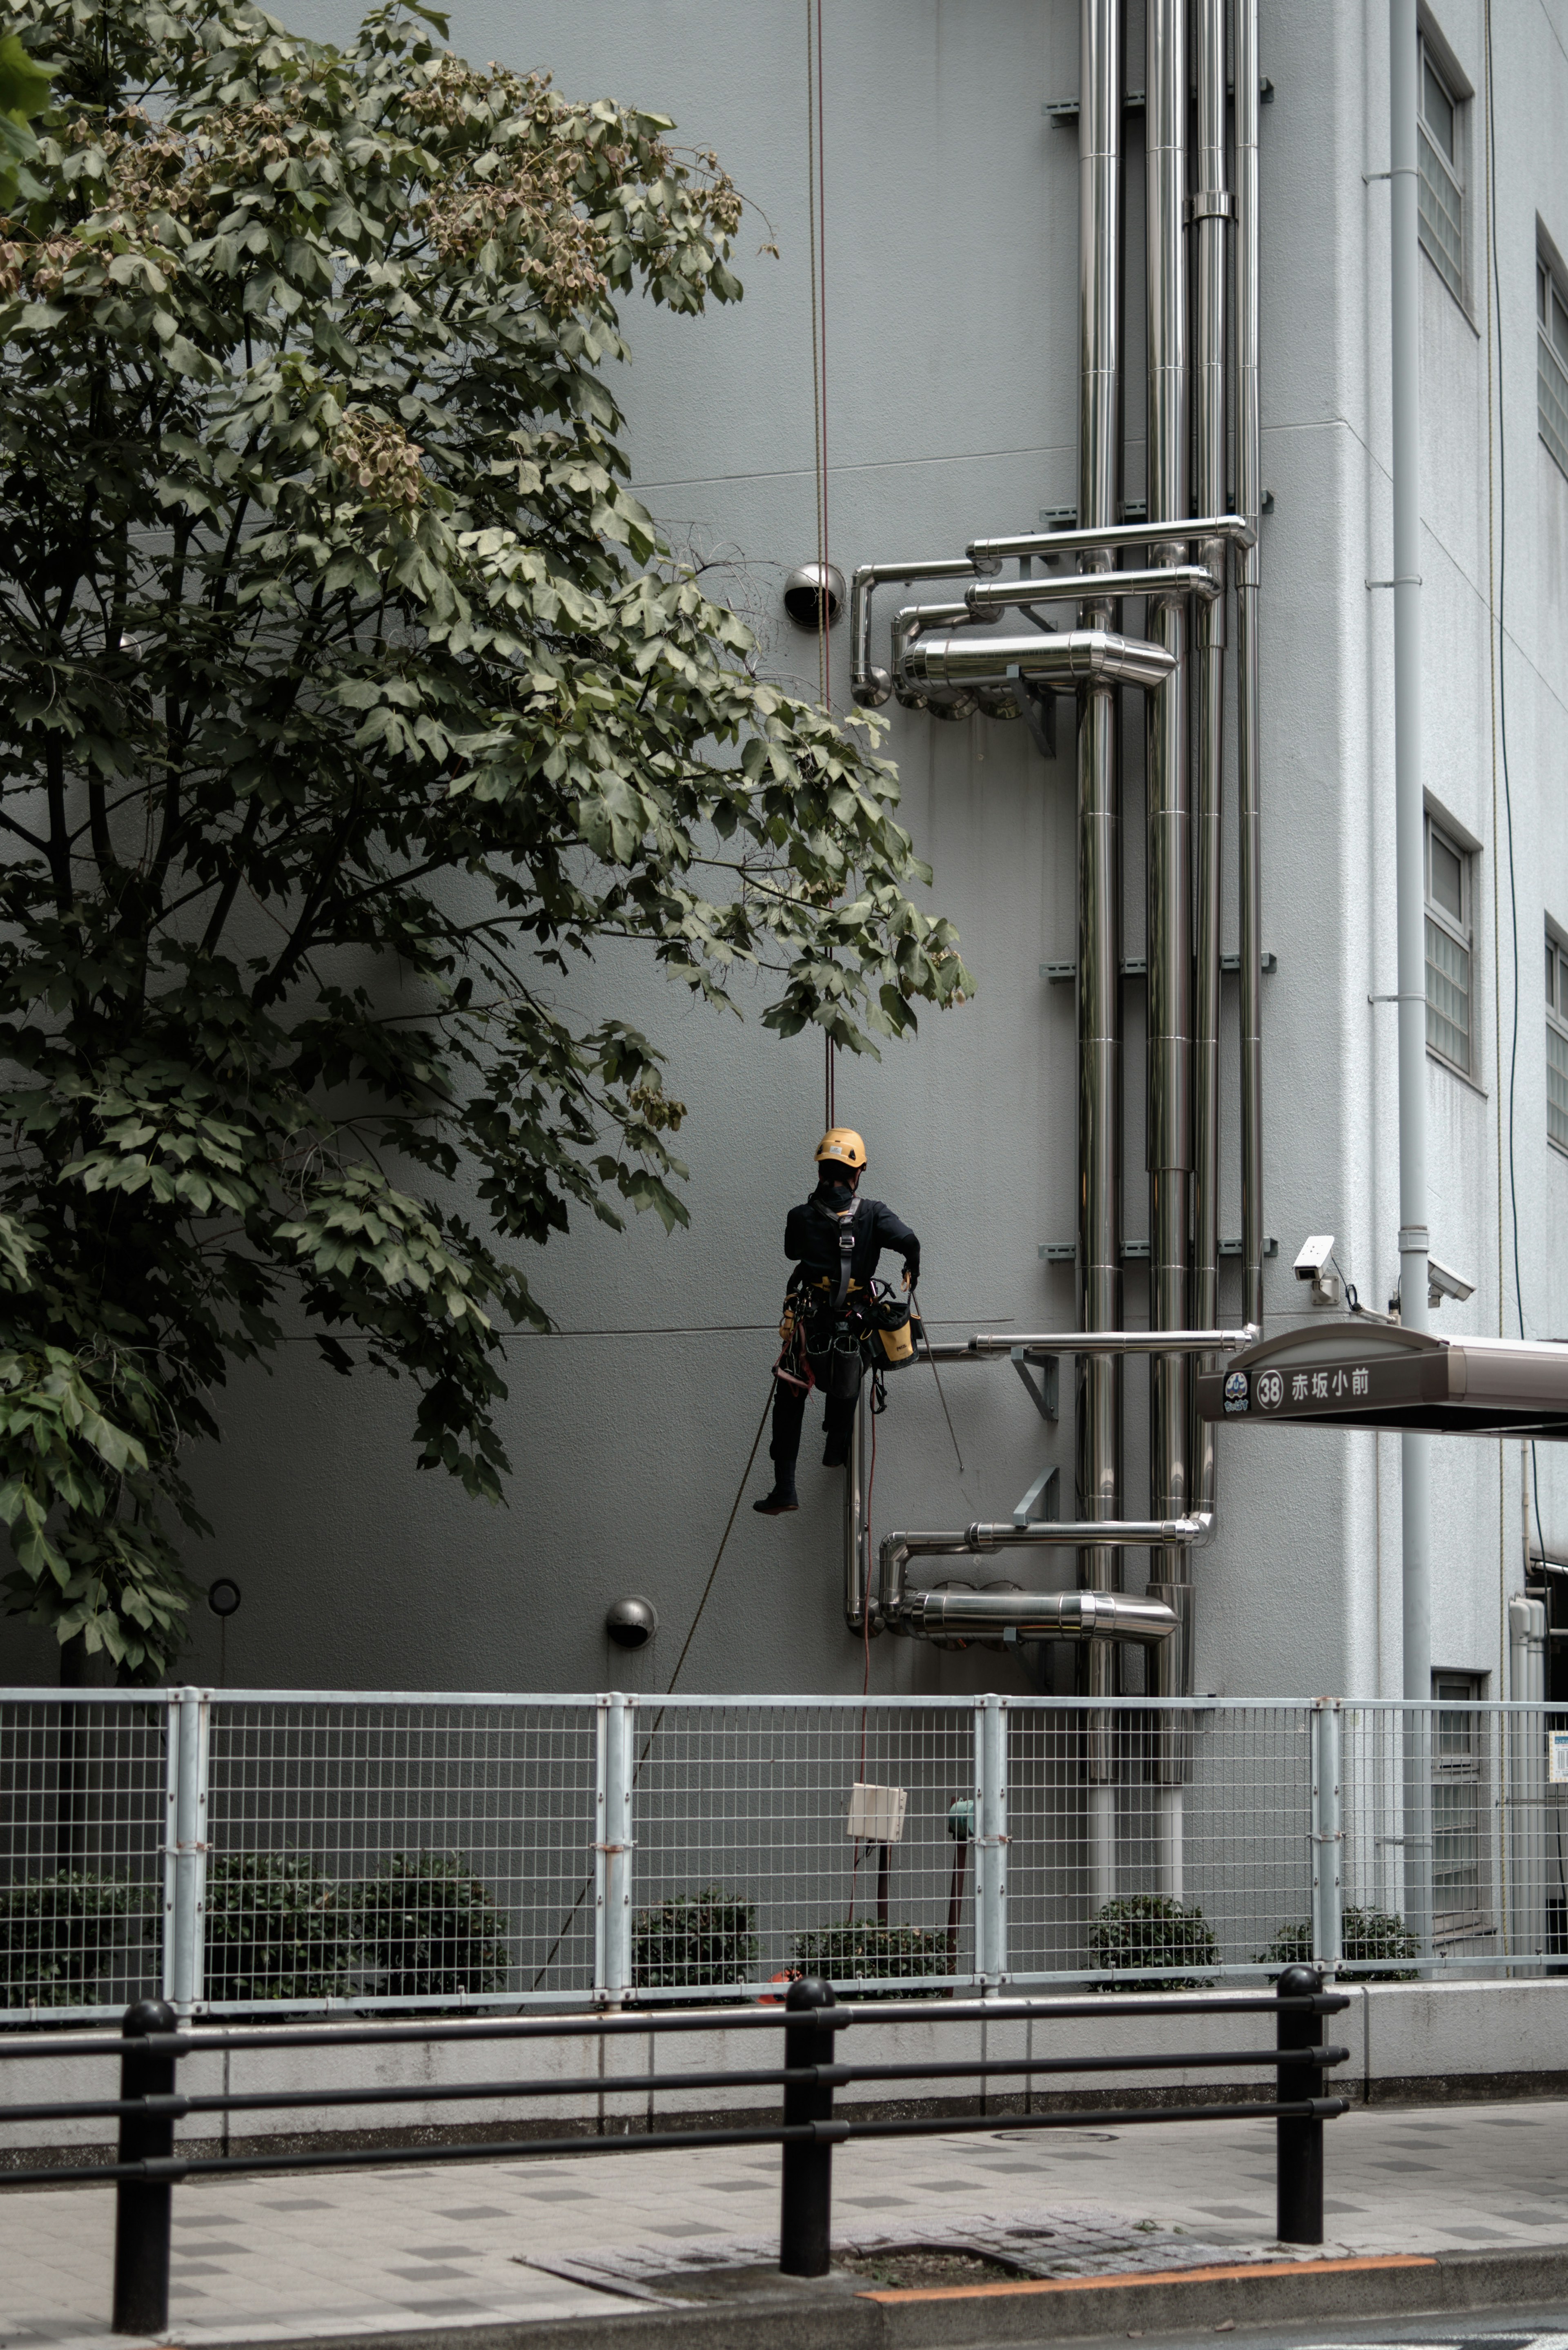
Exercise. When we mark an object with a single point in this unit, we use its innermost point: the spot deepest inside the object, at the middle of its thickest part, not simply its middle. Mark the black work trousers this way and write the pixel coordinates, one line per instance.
(789, 1410)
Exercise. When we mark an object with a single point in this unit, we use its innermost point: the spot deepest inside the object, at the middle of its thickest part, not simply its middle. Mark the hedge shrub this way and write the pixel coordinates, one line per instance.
(428, 1927)
(1152, 1930)
(58, 1935)
(698, 1937)
(278, 1928)
(865, 1948)
(1365, 1934)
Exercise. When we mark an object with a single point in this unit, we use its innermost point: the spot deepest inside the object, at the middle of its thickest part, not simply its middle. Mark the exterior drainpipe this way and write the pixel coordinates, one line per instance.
(1248, 500)
(1169, 875)
(1099, 1379)
(1415, 1451)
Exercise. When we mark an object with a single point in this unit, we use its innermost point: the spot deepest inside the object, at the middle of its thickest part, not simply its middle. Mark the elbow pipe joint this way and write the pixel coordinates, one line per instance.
(959, 657)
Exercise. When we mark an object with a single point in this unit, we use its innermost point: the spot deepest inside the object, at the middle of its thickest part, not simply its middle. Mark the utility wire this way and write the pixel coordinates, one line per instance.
(915, 1301)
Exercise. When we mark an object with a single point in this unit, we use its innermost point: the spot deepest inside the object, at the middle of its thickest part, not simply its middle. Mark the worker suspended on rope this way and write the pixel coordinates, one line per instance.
(835, 1321)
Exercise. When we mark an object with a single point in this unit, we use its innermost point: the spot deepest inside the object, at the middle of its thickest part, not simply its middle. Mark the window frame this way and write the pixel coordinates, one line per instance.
(1551, 363)
(1556, 1027)
(1431, 57)
(1462, 933)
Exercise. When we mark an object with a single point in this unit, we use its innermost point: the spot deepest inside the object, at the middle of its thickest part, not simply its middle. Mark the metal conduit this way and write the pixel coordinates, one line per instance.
(1099, 1378)
(1210, 212)
(1169, 1074)
(987, 555)
(1175, 579)
(1248, 500)
(1096, 656)
(871, 687)
(1097, 1613)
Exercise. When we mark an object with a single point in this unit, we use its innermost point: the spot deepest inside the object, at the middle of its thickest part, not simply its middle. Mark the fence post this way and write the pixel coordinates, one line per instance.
(1298, 2178)
(612, 1851)
(805, 2217)
(185, 1863)
(142, 2207)
(1327, 1837)
(990, 1840)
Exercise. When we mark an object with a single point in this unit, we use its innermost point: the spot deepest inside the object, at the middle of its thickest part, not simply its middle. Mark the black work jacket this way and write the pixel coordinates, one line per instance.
(811, 1238)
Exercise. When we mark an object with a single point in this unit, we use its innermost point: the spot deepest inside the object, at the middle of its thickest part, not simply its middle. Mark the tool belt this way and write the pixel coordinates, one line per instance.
(827, 1340)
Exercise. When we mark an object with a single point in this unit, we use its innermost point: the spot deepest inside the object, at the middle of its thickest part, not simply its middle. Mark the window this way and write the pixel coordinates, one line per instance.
(1440, 190)
(1449, 1009)
(1556, 1042)
(1459, 1758)
(1552, 362)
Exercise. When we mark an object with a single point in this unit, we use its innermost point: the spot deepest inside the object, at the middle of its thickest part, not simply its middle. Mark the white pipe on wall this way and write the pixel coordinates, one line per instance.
(1410, 889)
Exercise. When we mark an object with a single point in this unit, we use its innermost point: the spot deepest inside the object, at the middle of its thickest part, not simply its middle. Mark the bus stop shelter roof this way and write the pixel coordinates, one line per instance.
(1358, 1373)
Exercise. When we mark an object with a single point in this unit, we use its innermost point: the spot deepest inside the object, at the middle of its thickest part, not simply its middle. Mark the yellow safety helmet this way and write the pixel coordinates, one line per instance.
(842, 1145)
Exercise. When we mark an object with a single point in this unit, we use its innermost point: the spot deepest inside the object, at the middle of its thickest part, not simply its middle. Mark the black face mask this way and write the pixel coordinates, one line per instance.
(836, 1195)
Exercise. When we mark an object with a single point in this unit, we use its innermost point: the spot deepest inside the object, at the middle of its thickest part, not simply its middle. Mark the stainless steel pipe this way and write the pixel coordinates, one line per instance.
(1099, 1378)
(1168, 867)
(988, 555)
(1210, 212)
(869, 686)
(1093, 657)
(1172, 580)
(1035, 1616)
(1102, 1342)
(980, 1540)
(1248, 500)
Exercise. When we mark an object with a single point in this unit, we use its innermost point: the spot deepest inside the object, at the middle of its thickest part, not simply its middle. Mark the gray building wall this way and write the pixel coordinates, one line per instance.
(952, 226)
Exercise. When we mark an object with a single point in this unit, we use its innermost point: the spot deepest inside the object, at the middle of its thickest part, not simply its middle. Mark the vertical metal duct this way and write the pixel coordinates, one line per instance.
(1099, 1380)
(1169, 873)
(1210, 210)
(1249, 499)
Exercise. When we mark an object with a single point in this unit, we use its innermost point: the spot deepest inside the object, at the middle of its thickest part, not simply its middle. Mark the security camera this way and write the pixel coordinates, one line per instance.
(1312, 1262)
(1442, 1283)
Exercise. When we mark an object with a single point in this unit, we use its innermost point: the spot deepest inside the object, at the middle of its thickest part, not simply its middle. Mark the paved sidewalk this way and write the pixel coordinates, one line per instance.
(467, 2243)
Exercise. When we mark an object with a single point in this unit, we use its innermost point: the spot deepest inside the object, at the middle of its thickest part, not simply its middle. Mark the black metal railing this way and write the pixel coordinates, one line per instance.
(150, 2102)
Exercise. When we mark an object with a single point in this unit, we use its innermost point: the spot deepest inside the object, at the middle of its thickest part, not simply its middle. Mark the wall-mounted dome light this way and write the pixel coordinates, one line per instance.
(804, 595)
(631, 1622)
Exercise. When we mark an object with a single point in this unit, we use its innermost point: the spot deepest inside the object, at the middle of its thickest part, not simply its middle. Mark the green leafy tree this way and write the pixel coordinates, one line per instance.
(348, 700)
(24, 96)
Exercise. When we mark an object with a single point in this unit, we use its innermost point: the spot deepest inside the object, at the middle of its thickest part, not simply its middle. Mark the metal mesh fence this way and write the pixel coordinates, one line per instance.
(84, 1789)
(269, 1851)
(749, 1866)
(1454, 1840)
(1200, 1857)
(399, 1851)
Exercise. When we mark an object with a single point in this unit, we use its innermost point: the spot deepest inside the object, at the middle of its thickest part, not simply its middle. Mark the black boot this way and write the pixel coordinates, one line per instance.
(782, 1498)
(836, 1452)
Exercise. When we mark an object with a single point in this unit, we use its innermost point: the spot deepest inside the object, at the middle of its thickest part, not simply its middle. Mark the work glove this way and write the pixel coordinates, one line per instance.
(911, 1272)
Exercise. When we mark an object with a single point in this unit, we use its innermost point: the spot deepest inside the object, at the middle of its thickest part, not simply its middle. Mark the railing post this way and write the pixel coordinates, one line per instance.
(612, 1854)
(990, 1840)
(142, 2207)
(1298, 2186)
(1327, 1837)
(806, 2219)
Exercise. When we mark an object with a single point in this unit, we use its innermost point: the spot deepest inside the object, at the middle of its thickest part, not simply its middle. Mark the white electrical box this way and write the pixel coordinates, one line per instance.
(877, 1814)
(1557, 1748)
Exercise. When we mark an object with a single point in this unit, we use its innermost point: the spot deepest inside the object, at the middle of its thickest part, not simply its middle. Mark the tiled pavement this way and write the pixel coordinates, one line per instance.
(352, 2252)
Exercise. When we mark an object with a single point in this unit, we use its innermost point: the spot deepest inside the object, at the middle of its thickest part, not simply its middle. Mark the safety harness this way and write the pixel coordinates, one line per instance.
(852, 1329)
